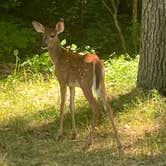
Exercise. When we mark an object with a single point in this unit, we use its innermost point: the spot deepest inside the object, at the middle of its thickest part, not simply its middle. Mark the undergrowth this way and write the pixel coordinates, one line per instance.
(29, 120)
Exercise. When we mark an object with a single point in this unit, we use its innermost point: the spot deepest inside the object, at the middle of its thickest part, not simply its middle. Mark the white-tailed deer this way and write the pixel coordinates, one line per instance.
(72, 70)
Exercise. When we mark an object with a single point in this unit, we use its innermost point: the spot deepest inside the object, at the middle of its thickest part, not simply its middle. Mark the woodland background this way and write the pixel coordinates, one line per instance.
(111, 27)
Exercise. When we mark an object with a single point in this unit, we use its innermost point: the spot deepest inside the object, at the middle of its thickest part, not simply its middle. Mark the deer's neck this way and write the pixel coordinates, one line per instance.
(55, 51)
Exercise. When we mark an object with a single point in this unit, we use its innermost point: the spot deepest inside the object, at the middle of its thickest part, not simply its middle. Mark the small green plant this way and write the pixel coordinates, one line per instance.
(74, 48)
(122, 74)
(38, 63)
(17, 63)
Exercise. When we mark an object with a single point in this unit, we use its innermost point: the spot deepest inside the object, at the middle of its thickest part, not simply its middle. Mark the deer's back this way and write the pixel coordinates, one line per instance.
(73, 68)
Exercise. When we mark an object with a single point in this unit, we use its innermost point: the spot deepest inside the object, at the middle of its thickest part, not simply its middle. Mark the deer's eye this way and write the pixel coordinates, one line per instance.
(53, 35)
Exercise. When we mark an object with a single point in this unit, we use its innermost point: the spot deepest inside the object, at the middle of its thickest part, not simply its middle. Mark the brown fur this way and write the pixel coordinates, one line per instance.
(74, 70)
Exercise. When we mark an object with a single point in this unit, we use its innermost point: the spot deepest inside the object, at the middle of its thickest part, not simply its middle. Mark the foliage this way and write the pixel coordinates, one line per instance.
(86, 22)
(9, 4)
(29, 121)
(12, 37)
(122, 74)
(38, 63)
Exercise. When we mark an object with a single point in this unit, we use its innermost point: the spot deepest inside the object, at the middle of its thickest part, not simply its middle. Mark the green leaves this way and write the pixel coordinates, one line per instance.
(16, 52)
(39, 63)
(13, 37)
(63, 42)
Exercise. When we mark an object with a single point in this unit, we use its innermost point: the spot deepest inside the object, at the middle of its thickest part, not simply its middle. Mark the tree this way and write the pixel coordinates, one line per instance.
(135, 25)
(113, 10)
(152, 64)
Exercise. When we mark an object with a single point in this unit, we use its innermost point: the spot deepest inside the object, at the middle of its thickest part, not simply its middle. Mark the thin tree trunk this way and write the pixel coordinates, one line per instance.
(152, 64)
(116, 22)
(120, 32)
(82, 11)
(134, 24)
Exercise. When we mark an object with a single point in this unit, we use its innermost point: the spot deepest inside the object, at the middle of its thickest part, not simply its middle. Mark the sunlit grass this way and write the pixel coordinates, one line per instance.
(29, 121)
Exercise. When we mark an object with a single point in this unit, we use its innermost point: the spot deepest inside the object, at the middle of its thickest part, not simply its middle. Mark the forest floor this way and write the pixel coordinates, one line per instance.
(29, 121)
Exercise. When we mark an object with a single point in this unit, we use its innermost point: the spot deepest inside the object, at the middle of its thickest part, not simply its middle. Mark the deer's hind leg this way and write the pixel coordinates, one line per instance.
(95, 112)
(109, 111)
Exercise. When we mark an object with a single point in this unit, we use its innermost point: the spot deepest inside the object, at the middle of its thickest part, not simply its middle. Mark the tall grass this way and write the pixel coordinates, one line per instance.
(29, 120)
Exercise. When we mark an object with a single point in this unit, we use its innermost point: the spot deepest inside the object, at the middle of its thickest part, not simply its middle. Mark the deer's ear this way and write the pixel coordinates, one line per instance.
(60, 26)
(38, 27)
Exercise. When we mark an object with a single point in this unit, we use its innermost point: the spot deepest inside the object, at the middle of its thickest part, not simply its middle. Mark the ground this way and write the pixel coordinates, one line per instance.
(29, 121)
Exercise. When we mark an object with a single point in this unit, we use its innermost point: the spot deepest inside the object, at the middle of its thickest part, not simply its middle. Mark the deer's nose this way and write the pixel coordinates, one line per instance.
(44, 45)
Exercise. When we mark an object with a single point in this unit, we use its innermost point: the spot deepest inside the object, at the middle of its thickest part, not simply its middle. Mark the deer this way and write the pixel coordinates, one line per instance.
(75, 70)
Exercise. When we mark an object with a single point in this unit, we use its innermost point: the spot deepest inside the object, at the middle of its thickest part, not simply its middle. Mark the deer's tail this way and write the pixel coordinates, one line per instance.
(98, 78)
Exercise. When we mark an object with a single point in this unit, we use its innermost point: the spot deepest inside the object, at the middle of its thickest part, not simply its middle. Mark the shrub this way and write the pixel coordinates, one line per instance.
(38, 63)
(12, 37)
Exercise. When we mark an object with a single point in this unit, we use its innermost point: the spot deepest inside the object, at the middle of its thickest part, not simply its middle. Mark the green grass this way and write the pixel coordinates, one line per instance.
(29, 121)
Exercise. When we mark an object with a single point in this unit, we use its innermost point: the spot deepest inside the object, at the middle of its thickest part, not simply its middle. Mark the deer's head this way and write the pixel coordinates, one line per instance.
(50, 35)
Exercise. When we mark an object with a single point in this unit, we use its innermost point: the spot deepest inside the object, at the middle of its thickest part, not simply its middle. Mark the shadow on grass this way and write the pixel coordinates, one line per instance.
(25, 143)
(37, 146)
(129, 99)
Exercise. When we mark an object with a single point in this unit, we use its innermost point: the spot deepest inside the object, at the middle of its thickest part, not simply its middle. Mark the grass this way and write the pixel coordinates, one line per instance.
(29, 121)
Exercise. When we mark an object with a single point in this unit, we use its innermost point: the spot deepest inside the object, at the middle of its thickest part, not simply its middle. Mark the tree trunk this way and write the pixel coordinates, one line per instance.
(135, 25)
(152, 64)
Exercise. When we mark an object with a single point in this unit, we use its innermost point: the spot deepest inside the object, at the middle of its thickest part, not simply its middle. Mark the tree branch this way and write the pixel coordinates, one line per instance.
(108, 8)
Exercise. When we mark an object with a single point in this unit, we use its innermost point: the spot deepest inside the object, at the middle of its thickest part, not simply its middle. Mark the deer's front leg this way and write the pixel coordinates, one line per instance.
(63, 90)
(72, 109)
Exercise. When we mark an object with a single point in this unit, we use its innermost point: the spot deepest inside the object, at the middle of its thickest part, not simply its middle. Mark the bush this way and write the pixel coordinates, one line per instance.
(38, 63)
(12, 37)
